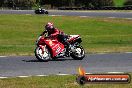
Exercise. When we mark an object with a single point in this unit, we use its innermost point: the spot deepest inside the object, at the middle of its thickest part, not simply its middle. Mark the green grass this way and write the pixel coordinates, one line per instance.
(53, 82)
(119, 2)
(19, 32)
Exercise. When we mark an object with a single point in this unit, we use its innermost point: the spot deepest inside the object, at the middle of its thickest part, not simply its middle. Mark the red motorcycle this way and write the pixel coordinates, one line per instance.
(50, 48)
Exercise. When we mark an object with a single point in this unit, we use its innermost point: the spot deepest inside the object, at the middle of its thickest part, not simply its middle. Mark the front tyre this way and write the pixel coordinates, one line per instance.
(42, 56)
(46, 12)
(79, 53)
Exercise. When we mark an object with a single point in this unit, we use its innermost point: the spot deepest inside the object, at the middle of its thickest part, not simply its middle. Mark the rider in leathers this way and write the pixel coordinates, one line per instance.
(56, 33)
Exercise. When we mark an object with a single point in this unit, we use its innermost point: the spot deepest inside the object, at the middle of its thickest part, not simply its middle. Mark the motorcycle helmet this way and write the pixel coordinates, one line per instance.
(49, 27)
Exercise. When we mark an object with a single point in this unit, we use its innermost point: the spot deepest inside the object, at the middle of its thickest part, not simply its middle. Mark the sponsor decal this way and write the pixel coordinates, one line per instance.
(50, 43)
(84, 78)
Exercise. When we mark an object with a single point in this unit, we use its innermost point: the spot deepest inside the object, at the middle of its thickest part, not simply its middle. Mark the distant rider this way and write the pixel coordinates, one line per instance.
(39, 8)
(56, 33)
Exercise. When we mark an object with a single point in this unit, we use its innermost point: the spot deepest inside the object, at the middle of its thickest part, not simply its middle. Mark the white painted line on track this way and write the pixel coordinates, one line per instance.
(55, 15)
(3, 77)
(41, 75)
(112, 17)
(119, 17)
(3, 56)
(56, 75)
(111, 53)
(23, 76)
(129, 18)
(51, 15)
(34, 75)
(128, 52)
(63, 74)
(90, 16)
(83, 16)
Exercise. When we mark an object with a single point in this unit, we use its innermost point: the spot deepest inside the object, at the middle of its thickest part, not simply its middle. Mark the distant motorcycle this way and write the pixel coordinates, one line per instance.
(41, 11)
(50, 49)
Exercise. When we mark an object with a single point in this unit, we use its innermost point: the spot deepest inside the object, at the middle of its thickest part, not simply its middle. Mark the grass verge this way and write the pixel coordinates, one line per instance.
(53, 82)
(18, 33)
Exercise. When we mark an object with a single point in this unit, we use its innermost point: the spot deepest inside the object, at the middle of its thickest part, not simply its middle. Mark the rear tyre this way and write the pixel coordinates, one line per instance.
(79, 53)
(36, 11)
(42, 56)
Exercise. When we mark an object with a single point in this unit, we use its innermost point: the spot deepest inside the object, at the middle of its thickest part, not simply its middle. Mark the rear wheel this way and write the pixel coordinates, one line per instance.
(42, 56)
(79, 53)
(36, 11)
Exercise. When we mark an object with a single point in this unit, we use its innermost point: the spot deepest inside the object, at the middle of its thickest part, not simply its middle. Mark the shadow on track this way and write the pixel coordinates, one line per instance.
(48, 61)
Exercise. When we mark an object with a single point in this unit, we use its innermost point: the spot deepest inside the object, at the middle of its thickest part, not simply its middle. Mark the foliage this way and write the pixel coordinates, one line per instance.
(128, 2)
(1, 2)
(100, 3)
(83, 3)
(17, 3)
(57, 3)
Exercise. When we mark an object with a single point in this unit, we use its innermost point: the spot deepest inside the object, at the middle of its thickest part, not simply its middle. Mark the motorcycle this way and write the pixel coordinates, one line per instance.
(41, 11)
(50, 48)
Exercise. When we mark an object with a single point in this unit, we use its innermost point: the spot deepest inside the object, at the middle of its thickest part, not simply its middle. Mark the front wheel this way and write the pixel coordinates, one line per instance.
(46, 12)
(42, 55)
(79, 53)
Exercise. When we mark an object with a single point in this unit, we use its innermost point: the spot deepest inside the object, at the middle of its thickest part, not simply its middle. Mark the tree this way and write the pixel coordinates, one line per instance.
(94, 3)
(21, 3)
(128, 2)
(59, 3)
(71, 2)
(101, 3)
(1, 2)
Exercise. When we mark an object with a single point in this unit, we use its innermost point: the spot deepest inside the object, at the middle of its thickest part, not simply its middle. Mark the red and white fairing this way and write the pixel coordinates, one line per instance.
(73, 37)
(55, 46)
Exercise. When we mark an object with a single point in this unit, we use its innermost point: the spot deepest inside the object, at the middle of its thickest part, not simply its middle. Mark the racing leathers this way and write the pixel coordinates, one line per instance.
(61, 36)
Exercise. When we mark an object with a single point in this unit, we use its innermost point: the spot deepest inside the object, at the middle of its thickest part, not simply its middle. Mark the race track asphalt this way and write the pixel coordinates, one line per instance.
(29, 66)
(112, 14)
